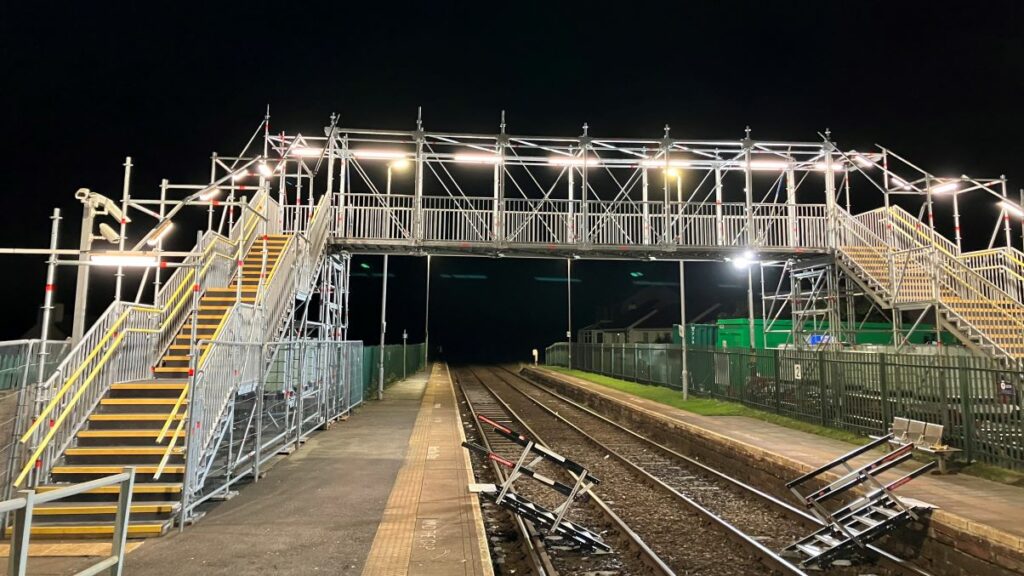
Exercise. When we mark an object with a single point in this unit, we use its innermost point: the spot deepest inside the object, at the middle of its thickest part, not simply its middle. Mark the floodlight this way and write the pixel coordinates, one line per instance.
(378, 154)
(900, 183)
(210, 194)
(159, 232)
(400, 164)
(265, 170)
(862, 160)
(656, 163)
(1012, 208)
(478, 158)
(109, 234)
(573, 161)
(836, 167)
(947, 187)
(123, 259)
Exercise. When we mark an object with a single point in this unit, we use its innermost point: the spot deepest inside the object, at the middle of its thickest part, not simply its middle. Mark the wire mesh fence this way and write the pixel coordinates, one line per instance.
(976, 399)
(400, 361)
(307, 384)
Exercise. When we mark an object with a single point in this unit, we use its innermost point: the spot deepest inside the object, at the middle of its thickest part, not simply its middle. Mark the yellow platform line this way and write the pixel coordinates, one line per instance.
(392, 552)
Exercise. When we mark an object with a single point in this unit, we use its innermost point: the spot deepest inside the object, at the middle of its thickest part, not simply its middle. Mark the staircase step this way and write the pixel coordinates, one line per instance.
(140, 401)
(138, 488)
(142, 529)
(150, 385)
(102, 509)
(121, 451)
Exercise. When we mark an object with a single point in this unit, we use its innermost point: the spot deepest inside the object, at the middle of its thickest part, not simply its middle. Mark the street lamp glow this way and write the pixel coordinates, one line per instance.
(306, 151)
(265, 170)
(673, 173)
(159, 232)
(1012, 208)
(467, 158)
(400, 164)
(947, 187)
(378, 154)
(123, 259)
(742, 261)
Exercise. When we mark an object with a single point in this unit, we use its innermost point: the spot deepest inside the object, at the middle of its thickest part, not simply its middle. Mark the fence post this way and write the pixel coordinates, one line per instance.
(636, 362)
(823, 375)
(883, 389)
(778, 381)
(965, 410)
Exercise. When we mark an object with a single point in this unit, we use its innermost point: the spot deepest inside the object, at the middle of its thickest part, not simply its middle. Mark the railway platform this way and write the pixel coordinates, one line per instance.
(384, 492)
(979, 517)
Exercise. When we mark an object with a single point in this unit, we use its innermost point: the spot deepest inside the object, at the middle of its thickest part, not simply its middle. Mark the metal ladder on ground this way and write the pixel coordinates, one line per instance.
(848, 529)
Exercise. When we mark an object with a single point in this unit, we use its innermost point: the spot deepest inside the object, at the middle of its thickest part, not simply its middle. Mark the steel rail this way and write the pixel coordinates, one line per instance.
(646, 554)
(532, 541)
(773, 559)
(791, 510)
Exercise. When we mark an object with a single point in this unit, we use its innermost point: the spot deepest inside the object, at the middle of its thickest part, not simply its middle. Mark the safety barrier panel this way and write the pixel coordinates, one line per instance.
(978, 400)
(399, 361)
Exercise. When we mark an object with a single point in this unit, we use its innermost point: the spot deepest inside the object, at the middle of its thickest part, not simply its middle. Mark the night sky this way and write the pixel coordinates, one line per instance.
(86, 85)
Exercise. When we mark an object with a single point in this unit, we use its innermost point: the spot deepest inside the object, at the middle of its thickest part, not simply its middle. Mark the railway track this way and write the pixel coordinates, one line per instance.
(757, 522)
(738, 502)
(630, 556)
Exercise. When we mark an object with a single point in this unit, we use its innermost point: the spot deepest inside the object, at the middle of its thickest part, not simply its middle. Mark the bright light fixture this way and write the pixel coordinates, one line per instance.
(900, 183)
(239, 175)
(763, 165)
(573, 161)
(123, 259)
(947, 187)
(862, 160)
(265, 170)
(478, 158)
(159, 232)
(306, 151)
(744, 260)
(673, 173)
(655, 163)
(400, 164)
(378, 154)
(836, 167)
(210, 194)
(1012, 208)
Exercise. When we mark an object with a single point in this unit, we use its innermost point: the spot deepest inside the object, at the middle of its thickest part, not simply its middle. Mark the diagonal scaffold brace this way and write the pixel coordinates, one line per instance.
(551, 522)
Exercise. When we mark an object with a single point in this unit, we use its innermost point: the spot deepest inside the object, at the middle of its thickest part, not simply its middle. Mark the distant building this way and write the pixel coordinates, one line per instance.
(646, 318)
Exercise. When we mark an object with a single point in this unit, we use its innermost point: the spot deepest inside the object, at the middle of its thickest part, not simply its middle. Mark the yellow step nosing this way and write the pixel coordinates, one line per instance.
(95, 509)
(125, 433)
(152, 386)
(121, 450)
(114, 469)
(149, 401)
(135, 416)
(80, 530)
(140, 487)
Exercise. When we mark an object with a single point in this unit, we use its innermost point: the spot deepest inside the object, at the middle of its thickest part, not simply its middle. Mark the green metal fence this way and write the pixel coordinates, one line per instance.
(399, 361)
(975, 398)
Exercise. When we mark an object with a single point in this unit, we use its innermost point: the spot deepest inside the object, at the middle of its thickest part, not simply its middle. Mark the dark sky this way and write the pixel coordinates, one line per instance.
(85, 85)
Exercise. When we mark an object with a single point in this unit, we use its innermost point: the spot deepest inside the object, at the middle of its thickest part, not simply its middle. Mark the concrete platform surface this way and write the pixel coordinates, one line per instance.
(981, 507)
(315, 512)
(432, 525)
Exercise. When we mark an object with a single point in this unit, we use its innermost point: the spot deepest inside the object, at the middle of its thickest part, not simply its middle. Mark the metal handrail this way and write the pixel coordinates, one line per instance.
(113, 331)
(24, 505)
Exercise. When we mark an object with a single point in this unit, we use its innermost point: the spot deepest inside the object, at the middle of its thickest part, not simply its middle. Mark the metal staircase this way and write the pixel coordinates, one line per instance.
(905, 265)
(151, 387)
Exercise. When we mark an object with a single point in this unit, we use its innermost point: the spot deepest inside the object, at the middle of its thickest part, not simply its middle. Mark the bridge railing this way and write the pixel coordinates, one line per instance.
(478, 220)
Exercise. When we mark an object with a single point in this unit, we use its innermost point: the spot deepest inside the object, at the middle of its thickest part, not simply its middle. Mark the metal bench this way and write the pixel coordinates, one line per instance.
(925, 436)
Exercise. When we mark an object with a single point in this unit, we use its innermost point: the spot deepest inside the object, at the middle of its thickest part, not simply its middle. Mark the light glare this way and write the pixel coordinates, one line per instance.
(478, 158)
(123, 259)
